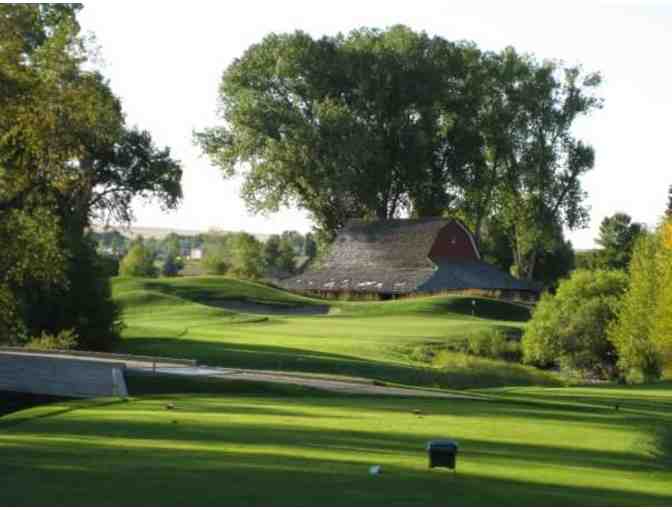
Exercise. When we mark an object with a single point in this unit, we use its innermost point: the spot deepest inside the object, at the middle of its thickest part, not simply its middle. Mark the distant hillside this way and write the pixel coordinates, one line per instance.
(161, 233)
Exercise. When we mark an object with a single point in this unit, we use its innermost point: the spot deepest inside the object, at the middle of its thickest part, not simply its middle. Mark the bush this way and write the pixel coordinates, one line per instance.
(215, 265)
(493, 344)
(138, 262)
(171, 266)
(570, 328)
(62, 341)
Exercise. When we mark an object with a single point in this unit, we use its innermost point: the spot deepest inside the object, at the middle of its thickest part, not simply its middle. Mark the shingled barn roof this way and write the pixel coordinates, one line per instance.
(393, 257)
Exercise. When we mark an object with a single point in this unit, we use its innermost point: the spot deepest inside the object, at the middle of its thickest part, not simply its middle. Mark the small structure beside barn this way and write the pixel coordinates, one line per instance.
(195, 254)
(398, 257)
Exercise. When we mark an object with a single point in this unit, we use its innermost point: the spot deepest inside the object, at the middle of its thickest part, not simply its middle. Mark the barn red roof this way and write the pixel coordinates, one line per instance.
(403, 256)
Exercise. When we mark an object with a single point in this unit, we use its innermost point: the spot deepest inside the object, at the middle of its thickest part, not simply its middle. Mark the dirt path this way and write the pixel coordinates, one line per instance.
(337, 385)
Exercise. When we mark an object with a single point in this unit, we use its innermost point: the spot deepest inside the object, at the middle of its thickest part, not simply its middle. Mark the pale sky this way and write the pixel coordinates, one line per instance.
(165, 60)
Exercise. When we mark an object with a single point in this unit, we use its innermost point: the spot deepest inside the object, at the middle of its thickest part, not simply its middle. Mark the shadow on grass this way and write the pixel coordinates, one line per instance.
(11, 402)
(276, 300)
(487, 309)
(493, 405)
(63, 405)
(265, 357)
(184, 425)
(143, 384)
(224, 290)
(617, 402)
(213, 467)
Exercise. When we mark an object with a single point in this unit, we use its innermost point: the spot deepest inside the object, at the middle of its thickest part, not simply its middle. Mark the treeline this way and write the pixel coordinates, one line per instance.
(67, 158)
(613, 318)
(390, 123)
(236, 254)
(244, 256)
(112, 242)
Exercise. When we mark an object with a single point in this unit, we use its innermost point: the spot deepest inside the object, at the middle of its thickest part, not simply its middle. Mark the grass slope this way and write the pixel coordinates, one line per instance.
(187, 317)
(239, 444)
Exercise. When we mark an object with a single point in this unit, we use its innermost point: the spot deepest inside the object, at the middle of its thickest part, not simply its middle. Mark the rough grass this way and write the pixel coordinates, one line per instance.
(187, 317)
(235, 444)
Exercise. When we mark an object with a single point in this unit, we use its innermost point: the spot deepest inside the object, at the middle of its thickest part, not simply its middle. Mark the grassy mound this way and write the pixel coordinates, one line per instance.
(188, 317)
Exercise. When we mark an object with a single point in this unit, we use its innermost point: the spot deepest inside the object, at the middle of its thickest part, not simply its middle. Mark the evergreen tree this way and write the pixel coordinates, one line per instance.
(309, 246)
(617, 238)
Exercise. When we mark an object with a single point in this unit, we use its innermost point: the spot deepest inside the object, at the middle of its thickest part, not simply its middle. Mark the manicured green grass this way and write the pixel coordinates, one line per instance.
(187, 317)
(197, 442)
(244, 444)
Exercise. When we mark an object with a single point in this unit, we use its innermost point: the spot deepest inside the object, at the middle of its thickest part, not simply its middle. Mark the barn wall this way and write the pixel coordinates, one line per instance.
(66, 377)
(453, 242)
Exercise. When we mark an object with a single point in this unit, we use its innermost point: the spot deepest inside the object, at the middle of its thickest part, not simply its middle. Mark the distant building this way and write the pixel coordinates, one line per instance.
(196, 254)
(397, 257)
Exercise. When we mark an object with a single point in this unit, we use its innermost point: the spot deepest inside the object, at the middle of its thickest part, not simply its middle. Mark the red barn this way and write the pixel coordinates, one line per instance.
(395, 257)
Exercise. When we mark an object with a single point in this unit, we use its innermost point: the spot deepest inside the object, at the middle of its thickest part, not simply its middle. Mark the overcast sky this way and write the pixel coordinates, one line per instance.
(165, 61)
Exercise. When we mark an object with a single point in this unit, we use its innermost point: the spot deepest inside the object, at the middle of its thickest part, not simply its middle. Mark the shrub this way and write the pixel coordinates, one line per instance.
(570, 328)
(215, 264)
(62, 341)
(171, 266)
(493, 344)
(138, 262)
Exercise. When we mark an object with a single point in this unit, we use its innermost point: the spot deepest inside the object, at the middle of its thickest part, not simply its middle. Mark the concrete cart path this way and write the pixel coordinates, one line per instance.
(338, 385)
(167, 366)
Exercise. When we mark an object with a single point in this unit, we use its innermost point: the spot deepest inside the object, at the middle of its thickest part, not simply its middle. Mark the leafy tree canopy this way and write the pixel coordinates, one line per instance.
(377, 124)
(66, 157)
(342, 126)
(643, 329)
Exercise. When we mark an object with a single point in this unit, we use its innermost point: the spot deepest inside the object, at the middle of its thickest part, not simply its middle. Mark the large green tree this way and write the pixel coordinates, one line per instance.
(643, 329)
(345, 126)
(540, 187)
(246, 256)
(380, 124)
(66, 157)
(44, 113)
